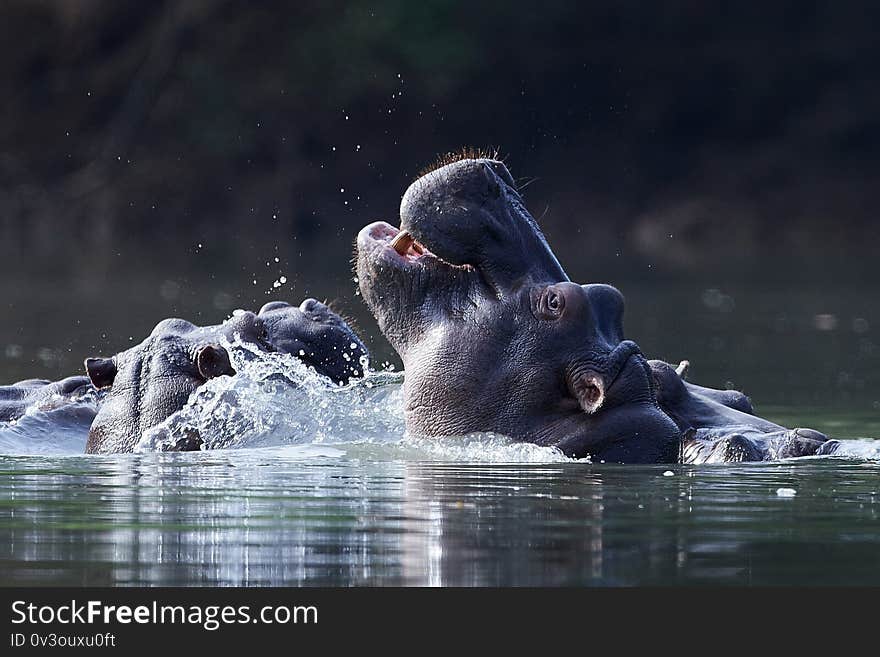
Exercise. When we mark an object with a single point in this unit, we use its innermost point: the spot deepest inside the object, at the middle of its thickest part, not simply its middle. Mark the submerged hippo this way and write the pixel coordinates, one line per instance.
(495, 337)
(46, 395)
(720, 426)
(154, 379)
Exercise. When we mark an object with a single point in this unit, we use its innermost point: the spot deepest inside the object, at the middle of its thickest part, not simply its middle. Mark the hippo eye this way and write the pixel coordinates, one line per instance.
(549, 304)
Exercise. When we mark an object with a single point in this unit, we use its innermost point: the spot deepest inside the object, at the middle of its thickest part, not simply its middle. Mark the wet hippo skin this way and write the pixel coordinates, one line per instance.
(145, 384)
(494, 337)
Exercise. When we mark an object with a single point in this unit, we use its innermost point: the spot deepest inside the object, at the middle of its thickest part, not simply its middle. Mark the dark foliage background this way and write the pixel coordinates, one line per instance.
(157, 157)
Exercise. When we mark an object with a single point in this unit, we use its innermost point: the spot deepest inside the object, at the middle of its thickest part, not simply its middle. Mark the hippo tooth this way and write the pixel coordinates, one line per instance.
(402, 242)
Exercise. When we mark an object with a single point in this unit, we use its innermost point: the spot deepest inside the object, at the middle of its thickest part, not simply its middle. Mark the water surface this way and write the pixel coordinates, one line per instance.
(315, 515)
(315, 486)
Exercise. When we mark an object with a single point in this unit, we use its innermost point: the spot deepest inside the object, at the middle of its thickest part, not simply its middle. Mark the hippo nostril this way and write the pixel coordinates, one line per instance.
(619, 356)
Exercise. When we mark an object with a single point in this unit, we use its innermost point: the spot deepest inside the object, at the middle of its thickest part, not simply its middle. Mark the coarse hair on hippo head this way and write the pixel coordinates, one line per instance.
(493, 335)
(147, 383)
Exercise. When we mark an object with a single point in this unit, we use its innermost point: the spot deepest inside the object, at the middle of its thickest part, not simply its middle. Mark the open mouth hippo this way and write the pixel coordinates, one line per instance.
(147, 383)
(493, 335)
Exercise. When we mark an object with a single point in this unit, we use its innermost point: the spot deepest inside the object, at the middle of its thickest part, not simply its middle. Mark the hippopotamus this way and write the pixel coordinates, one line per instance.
(46, 395)
(494, 336)
(720, 426)
(147, 383)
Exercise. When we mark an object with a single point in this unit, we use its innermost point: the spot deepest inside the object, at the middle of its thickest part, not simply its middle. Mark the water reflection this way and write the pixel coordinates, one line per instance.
(314, 516)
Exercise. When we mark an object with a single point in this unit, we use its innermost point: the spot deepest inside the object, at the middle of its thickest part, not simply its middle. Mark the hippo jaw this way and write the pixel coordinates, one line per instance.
(468, 291)
(463, 229)
(421, 283)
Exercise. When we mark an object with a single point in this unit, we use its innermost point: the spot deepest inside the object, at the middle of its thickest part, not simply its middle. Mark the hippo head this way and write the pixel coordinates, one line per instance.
(318, 336)
(492, 334)
(149, 382)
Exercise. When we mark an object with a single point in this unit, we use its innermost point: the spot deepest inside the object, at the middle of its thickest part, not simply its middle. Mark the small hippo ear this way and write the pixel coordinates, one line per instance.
(588, 388)
(101, 371)
(213, 361)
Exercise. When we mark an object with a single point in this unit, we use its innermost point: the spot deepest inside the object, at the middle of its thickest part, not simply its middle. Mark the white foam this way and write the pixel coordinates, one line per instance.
(49, 430)
(275, 399)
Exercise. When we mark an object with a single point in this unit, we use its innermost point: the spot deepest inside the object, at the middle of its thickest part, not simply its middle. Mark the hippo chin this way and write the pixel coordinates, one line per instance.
(147, 383)
(495, 337)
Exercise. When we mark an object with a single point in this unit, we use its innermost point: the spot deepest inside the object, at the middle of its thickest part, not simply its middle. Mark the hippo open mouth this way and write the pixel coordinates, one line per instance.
(467, 215)
(493, 335)
(401, 242)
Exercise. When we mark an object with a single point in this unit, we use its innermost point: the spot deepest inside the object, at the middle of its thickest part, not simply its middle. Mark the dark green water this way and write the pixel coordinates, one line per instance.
(263, 517)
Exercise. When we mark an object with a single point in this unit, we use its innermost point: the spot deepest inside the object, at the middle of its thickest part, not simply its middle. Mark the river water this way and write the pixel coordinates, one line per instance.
(309, 485)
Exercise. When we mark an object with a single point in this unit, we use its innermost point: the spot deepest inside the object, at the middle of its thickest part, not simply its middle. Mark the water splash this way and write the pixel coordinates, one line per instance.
(276, 399)
(57, 425)
(280, 406)
(856, 448)
(479, 448)
(278, 403)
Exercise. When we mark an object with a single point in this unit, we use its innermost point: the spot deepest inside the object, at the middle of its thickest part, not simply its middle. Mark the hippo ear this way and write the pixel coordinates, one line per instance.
(213, 361)
(101, 371)
(589, 390)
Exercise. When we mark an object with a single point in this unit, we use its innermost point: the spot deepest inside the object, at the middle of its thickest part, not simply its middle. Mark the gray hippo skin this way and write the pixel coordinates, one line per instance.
(147, 383)
(719, 426)
(15, 399)
(494, 337)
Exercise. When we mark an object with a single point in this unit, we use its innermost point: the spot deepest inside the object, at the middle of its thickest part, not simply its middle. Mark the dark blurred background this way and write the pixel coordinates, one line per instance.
(717, 162)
